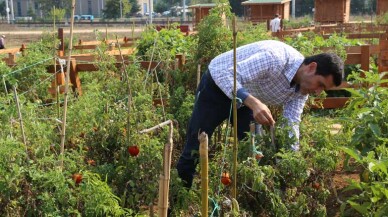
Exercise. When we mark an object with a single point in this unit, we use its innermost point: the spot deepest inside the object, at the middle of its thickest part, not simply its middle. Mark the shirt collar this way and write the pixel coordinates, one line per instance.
(290, 74)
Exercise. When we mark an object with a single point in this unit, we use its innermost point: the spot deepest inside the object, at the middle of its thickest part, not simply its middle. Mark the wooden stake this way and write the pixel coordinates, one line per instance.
(235, 146)
(198, 74)
(20, 120)
(164, 178)
(63, 129)
(252, 128)
(203, 153)
(129, 103)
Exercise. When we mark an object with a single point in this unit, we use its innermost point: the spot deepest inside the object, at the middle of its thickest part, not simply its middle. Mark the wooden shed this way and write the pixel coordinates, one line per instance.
(200, 11)
(263, 10)
(332, 11)
(382, 7)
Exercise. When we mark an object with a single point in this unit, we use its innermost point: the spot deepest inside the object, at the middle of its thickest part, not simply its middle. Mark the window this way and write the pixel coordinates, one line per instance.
(19, 5)
(145, 8)
(90, 7)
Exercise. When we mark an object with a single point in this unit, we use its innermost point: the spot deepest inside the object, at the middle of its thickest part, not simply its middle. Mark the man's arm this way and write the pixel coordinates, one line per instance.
(261, 113)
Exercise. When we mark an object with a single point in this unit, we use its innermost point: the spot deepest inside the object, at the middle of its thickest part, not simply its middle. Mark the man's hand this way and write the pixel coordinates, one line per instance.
(261, 113)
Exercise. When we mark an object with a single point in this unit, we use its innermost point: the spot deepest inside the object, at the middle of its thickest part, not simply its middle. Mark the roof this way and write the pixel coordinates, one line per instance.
(209, 5)
(265, 2)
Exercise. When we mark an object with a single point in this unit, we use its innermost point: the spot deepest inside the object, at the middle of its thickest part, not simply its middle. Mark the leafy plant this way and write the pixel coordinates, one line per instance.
(214, 37)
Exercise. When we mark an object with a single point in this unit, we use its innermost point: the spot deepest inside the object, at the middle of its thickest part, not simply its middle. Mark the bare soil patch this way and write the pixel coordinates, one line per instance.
(16, 35)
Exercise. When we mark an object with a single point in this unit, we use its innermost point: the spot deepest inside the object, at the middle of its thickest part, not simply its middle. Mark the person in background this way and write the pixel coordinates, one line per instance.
(275, 24)
(269, 72)
(2, 42)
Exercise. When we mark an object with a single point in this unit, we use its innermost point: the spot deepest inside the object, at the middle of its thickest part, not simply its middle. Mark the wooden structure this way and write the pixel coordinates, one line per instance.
(200, 11)
(185, 29)
(263, 10)
(12, 52)
(332, 11)
(382, 7)
(383, 55)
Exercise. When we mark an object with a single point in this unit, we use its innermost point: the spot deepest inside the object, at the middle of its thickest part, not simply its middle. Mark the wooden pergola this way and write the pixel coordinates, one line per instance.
(332, 11)
(200, 11)
(382, 7)
(263, 10)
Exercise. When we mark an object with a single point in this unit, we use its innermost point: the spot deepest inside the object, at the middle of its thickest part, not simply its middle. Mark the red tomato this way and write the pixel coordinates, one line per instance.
(133, 150)
(92, 162)
(316, 185)
(258, 156)
(225, 179)
(77, 177)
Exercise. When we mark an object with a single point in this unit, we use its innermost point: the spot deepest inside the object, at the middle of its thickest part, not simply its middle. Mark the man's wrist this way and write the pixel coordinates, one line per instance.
(242, 94)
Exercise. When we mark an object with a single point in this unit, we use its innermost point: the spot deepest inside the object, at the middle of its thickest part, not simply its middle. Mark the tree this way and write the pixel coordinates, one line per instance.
(3, 11)
(115, 8)
(31, 13)
(135, 6)
(161, 6)
(57, 14)
(237, 8)
(362, 6)
(47, 5)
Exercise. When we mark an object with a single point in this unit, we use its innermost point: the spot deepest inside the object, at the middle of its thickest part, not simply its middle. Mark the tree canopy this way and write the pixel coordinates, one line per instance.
(114, 9)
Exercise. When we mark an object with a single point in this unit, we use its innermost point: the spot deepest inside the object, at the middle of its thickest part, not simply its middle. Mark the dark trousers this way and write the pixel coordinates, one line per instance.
(211, 108)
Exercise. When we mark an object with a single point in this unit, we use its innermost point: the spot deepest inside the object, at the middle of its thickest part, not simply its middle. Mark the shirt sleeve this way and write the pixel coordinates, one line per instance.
(255, 67)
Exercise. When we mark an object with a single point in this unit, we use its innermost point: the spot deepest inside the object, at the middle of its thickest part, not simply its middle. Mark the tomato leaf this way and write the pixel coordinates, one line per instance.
(375, 129)
(352, 152)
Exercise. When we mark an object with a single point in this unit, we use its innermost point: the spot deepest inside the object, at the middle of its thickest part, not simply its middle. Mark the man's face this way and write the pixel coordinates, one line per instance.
(312, 83)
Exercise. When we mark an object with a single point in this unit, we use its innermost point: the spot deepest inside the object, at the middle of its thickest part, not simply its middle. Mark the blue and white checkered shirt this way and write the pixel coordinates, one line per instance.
(265, 70)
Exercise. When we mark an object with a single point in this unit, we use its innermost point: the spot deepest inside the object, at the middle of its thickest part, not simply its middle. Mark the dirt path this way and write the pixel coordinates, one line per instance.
(17, 37)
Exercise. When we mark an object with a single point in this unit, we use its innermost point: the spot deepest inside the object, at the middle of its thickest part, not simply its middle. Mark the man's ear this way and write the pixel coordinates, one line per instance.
(312, 67)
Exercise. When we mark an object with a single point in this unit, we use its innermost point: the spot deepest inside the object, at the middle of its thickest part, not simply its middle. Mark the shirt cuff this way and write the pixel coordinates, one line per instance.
(242, 94)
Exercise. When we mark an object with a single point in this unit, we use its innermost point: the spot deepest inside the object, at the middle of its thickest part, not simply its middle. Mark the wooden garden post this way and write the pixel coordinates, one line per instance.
(20, 120)
(203, 153)
(198, 74)
(164, 178)
(235, 147)
(252, 128)
(61, 49)
(63, 128)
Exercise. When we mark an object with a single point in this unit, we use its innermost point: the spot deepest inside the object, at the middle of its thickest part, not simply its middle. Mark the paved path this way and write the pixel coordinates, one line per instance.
(39, 32)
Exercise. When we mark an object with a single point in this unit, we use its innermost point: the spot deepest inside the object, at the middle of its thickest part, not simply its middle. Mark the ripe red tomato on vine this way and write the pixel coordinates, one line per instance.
(225, 179)
(77, 177)
(133, 150)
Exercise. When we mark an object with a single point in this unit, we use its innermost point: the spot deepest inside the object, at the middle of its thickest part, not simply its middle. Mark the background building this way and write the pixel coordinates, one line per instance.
(23, 8)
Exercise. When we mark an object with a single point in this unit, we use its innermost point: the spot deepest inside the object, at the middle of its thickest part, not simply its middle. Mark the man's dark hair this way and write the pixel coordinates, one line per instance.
(328, 64)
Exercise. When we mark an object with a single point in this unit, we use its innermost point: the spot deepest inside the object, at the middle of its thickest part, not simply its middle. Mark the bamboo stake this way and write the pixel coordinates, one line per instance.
(156, 127)
(160, 95)
(9, 102)
(20, 120)
(152, 210)
(133, 31)
(63, 131)
(129, 103)
(198, 74)
(235, 147)
(55, 71)
(252, 128)
(164, 178)
(203, 153)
